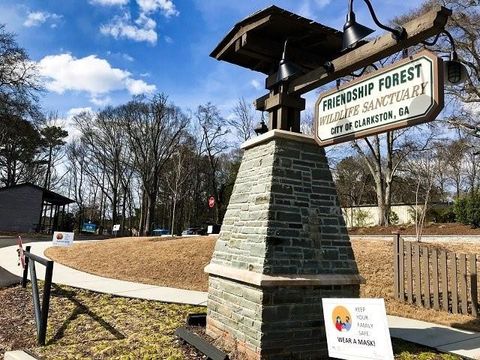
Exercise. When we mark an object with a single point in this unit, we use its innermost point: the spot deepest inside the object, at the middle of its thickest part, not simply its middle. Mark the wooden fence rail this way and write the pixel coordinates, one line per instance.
(435, 278)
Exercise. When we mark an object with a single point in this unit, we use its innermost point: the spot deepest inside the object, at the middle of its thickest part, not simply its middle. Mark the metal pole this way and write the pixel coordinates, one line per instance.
(36, 297)
(42, 334)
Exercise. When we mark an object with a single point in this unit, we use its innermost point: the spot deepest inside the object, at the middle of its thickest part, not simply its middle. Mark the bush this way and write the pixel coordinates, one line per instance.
(360, 218)
(442, 215)
(460, 209)
(467, 210)
(393, 218)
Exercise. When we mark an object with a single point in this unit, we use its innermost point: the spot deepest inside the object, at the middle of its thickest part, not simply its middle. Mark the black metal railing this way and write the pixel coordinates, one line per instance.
(40, 309)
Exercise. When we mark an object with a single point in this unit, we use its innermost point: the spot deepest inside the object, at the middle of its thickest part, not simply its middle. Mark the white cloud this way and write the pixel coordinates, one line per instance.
(128, 57)
(109, 2)
(68, 124)
(37, 18)
(256, 84)
(137, 87)
(90, 74)
(168, 39)
(122, 27)
(167, 7)
(100, 100)
(310, 8)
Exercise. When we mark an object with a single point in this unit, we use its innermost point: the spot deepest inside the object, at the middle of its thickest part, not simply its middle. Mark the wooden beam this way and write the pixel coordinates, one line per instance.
(418, 30)
(260, 102)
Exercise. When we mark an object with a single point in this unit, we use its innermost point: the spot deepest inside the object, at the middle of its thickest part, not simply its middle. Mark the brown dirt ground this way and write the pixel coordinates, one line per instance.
(159, 261)
(429, 229)
(180, 263)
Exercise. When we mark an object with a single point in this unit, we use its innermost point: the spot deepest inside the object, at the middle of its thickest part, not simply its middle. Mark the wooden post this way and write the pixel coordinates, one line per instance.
(396, 267)
(454, 287)
(436, 303)
(473, 284)
(418, 276)
(463, 283)
(401, 268)
(426, 278)
(444, 276)
(409, 273)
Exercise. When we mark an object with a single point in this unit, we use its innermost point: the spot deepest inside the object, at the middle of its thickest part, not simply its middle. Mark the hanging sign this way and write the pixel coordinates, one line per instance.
(357, 329)
(406, 93)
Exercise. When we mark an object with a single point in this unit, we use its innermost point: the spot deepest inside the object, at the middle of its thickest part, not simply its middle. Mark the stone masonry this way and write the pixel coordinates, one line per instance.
(283, 247)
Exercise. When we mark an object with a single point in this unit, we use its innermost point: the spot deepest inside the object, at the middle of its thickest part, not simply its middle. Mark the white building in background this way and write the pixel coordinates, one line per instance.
(367, 215)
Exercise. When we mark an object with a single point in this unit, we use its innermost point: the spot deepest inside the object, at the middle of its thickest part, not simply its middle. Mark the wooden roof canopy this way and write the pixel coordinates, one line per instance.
(257, 41)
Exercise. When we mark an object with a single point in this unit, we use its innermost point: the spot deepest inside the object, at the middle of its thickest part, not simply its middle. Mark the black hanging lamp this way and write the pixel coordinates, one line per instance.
(261, 128)
(353, 32)
(286, 68)
(455, 72)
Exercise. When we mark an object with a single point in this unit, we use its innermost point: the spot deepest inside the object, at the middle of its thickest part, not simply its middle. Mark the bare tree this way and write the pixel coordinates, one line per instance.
(212, 144)
(243, 120)
(19, 80)
(154, 130)
(384, 161)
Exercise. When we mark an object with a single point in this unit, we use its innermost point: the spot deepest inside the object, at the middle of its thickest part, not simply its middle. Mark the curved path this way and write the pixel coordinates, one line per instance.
(67, 276)
(442, 338)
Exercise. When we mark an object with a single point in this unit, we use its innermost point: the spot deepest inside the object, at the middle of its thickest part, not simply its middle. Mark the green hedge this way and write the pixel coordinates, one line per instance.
(467, 209)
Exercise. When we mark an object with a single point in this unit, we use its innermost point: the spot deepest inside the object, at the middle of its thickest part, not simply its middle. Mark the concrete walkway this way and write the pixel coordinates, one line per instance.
(442, 338)
(71, 277)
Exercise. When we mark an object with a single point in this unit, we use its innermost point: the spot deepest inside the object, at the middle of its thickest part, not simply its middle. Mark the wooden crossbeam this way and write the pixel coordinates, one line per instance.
(418, 30)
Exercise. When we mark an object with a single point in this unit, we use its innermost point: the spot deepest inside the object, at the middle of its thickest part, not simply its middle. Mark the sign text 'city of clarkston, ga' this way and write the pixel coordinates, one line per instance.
(408, 92)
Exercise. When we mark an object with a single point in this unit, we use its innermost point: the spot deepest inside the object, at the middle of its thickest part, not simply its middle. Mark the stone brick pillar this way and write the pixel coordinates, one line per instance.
(283, 247)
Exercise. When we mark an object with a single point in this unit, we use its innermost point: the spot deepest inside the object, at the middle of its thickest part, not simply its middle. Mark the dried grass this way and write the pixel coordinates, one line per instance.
(180, 263)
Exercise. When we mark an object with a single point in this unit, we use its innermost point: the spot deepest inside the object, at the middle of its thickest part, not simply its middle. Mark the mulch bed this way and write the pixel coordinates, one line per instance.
(17, 325)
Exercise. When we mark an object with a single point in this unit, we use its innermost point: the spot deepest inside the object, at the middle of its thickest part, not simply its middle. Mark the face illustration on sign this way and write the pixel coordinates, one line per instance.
(342, 319)
(59, 236)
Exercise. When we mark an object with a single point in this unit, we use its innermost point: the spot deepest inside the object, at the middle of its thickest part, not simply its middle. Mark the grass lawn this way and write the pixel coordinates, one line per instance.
(180, 262)
(88, 325)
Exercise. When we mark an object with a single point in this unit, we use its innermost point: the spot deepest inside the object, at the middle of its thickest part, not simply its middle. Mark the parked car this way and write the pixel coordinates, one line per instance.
(193, 231)
(160, 232)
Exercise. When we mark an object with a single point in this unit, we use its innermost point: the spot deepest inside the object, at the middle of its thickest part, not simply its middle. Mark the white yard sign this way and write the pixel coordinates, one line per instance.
(61, 238)
(357, 329)
(406, 93)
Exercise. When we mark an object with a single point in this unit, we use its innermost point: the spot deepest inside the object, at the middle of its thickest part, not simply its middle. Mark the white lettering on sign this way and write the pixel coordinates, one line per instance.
(357, 329)
(406, 93)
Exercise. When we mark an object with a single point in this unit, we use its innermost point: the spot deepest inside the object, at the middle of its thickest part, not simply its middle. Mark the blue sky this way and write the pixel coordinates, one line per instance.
(98, 52)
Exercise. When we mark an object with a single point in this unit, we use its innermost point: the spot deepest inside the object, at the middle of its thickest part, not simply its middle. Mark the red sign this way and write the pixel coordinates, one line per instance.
(211, 202)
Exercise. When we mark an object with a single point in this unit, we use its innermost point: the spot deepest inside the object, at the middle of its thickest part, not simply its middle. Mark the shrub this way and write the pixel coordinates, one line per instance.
(460, 209)
(467, 209)
(393, 218)
(442, 215)
(360, 218)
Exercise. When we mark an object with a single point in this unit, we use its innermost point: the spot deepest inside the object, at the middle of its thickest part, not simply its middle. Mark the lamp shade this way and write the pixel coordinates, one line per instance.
(261, 128)
(353, 32)
(286, 69)
(455, 72)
